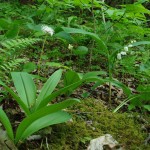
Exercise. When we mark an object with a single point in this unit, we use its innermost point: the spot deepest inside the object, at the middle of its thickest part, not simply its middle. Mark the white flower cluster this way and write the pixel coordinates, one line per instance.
(70, 47)
(47, 29)
(126, 49)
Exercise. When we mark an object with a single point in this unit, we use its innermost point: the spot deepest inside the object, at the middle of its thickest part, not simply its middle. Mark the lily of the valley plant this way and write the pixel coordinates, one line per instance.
(38, 113)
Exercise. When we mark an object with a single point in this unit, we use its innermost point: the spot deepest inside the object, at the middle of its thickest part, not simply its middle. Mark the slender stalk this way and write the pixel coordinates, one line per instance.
(40, 59)
(103, 14)
(94, 25)
(108, 56)
(110, 78)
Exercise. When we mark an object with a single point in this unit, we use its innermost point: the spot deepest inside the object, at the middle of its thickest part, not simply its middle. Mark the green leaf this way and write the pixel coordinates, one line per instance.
(57, 65)
(50, 119)
(147, 107)
(25, 87)
(93, 74)
(141, 43)
(64, 36)
(137, 8)
(52, 96)
(49, 86)
(5, 121)
(29, 67)
(144, 92)
(4, 23)
(13, 32)
(24, 129)
(14, 95)
(70, 77)
(81, 50)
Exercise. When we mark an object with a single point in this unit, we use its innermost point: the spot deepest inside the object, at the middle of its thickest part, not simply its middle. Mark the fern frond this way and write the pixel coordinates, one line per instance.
(13, 64)
(17, 43)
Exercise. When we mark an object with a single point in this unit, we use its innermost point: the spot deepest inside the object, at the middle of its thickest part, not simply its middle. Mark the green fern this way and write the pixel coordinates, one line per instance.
(9, 57)
(11, 65)
(17, 44)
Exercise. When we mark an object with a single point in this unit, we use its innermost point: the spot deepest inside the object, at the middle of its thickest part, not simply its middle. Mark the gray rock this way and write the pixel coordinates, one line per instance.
(103, 142)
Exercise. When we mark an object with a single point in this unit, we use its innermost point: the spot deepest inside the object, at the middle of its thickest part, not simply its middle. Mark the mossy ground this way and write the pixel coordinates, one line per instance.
(92, 119)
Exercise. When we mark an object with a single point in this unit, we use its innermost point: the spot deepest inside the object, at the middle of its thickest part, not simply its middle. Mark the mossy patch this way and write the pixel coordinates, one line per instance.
(92, 119)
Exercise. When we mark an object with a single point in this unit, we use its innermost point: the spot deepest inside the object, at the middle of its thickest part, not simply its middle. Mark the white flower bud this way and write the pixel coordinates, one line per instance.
(134, 41)
(123, 53)
(130, 45)
(70, 46)
(119, 56)
(126, 48)
(47, 29)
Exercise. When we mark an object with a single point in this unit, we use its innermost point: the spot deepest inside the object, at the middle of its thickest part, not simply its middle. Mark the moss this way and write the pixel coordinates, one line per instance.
(92, 119)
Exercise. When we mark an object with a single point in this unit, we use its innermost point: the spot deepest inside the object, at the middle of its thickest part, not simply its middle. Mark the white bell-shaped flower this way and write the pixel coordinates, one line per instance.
(70, 46)
(123, 53)
(126, 49)
(47, 29)
(130, 45)
(119, 56)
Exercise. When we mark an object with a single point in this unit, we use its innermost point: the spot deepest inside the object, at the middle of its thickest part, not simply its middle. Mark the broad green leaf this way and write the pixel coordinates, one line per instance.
(52, 96)
(5, 121)
(14, 95)
(47, 110)
(141, 43)
(65, 89)
(25, 87)
(65, 36)
(13, 32)
(34, 27)
(29, 67)
(50, 119)
(70, 77)
(81, 50)
(80, 31)
(49, 86)
(93, 74)
(73, 86)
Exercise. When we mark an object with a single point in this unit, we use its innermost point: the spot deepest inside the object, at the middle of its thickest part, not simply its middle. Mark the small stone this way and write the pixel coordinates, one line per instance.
(102, 142)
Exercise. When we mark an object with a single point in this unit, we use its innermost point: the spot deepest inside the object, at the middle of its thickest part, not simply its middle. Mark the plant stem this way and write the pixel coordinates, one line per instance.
(94, 25)
(110, 78)
(103, 14)
(40, 59)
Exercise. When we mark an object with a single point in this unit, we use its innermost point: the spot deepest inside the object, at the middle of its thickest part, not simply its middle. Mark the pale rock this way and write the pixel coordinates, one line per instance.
(103, 141)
